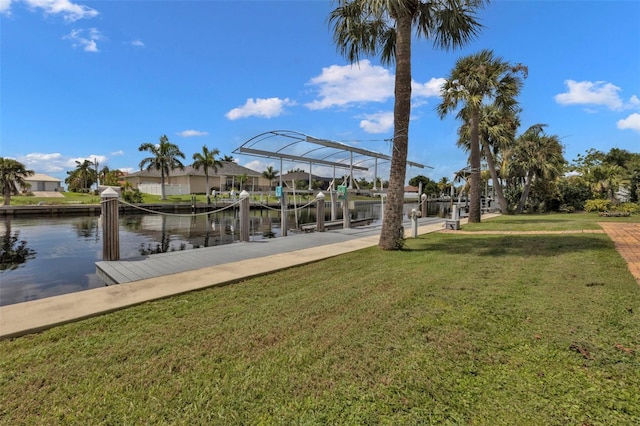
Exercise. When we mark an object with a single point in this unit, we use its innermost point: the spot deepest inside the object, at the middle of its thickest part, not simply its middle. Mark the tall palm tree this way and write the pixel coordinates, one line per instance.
(496, 130)
(271, 174)
(384, 27)
(164, 158)
(474, 80)
(207, 160)
(12, 175)
(82, 177)
(536, 155)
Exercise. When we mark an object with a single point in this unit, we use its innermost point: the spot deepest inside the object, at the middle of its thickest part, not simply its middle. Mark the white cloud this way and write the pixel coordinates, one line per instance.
(341, 86)
(137, 43)
(71, 162)
(117, 153)
(591, 93)
(44, 163)
(84, 38)
(190, 133)
(429, 89)
(5, 7)
(267, 108)
(631, 122)
(381, 122)
(70, 11)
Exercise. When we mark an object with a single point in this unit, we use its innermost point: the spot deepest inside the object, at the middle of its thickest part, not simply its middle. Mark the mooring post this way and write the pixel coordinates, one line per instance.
(423, 197)
(283, 214)
(244, 216)
(334, 205)
(110, 232)
(320, 212)
(346, 217)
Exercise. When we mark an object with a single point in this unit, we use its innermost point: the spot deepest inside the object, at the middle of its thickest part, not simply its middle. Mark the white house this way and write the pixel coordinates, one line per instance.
(43, 183)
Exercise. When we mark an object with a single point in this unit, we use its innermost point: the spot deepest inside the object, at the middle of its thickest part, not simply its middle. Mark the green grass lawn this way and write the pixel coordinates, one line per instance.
(547, 222)
(456, 329)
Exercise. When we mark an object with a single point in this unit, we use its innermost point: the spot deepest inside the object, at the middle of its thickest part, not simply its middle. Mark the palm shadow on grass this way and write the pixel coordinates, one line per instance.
(510, 245)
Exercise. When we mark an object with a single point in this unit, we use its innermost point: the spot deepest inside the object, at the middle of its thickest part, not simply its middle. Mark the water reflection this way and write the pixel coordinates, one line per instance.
(13, 251)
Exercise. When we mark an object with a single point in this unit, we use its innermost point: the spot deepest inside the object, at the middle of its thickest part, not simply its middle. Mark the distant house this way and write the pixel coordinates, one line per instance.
(43, 183)
(411, 191)
(192, 181)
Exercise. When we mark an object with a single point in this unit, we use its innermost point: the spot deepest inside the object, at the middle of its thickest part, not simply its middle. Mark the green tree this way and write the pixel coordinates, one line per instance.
(227, 159)
(206, 159)
(474, 80)
(271, 174)
(164, 157)
(384, 28)
(12, 178)
(607, 179)
(496, 129)
(536, 155)
(444, 186)
(429, 187)
(82, 177)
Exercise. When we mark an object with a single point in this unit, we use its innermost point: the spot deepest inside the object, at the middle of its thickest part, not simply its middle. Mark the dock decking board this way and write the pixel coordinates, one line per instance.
(150, 266)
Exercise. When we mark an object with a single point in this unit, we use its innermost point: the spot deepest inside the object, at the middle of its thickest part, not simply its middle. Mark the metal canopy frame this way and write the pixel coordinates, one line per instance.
(298, 147)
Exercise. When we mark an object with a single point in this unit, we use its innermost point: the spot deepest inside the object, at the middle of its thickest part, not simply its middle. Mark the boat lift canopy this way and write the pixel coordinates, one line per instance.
(298, 147)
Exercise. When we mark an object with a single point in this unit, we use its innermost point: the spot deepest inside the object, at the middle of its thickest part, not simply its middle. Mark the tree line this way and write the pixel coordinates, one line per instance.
(535, 181)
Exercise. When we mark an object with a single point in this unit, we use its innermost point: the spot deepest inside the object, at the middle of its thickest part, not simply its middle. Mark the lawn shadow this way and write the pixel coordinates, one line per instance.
(512, 245)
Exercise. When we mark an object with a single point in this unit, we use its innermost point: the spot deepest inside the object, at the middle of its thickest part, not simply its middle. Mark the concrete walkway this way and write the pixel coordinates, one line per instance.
(228, 264)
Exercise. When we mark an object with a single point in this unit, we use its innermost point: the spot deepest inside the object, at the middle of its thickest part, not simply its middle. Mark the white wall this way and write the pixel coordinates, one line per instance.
(156, 189)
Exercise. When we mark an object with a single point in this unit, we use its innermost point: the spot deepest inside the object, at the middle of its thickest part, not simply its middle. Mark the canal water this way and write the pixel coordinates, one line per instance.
(49, 256)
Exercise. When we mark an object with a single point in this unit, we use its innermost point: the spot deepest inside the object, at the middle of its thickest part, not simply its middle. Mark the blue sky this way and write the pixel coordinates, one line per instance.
(95, 79)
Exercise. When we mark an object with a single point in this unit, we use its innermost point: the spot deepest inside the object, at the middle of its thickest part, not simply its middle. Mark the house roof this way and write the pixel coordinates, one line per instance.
(229, 168)
(302, 176)
(39, 177)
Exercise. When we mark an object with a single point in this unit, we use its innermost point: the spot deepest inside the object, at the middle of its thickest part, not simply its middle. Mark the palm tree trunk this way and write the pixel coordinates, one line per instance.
(525, 192)
(497, 185)
(163, 196)
(474, 191)
(206, 184)
(392, 233)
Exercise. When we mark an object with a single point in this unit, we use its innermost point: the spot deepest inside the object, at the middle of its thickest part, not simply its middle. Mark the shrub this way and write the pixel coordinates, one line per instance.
(597, 205)
(632, 208)
(132, 196)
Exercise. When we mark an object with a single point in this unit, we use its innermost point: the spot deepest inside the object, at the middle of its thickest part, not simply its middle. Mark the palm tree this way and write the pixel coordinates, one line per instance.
(473, 80)
(384, 27)
(164, 158)
(607, 179)
(242, 179)
(271, 174)
(207, 160)
(535, 155)
(444, 185)
(82, 177)
(228, 158)
(496, 130)
(12, 175)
